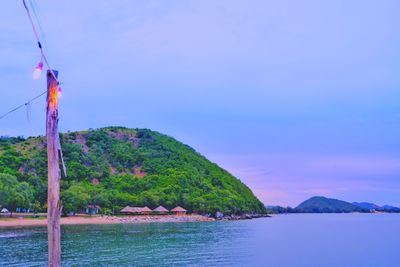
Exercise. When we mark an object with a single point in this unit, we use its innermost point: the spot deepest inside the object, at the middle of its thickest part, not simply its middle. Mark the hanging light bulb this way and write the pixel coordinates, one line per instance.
(38, 70)
(59, 92)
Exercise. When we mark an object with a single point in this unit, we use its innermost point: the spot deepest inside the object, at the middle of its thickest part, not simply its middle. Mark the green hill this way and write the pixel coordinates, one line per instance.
(327, 205)
(114, 167)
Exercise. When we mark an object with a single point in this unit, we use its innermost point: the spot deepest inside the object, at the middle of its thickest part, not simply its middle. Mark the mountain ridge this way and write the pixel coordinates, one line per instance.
(320, 204)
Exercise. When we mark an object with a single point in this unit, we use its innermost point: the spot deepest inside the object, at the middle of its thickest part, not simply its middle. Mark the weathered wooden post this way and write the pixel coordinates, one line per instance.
(53, 196)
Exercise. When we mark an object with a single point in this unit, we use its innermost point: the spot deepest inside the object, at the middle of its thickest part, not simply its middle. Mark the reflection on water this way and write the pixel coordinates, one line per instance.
(284, 240)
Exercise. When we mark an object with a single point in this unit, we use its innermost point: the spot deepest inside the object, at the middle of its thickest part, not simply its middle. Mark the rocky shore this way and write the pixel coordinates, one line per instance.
(245, 216)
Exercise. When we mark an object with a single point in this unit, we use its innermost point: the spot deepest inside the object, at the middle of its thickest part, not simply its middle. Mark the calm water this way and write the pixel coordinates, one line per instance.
(284, 240)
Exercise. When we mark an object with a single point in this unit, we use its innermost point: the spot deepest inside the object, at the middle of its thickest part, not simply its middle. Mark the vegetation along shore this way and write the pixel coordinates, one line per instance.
(115, 167)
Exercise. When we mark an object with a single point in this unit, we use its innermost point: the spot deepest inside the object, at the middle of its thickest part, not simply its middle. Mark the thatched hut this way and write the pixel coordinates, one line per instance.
(179, 211)
(132, 210)
(160, 210)
(4, 210)
(127, 209)
(146, 210)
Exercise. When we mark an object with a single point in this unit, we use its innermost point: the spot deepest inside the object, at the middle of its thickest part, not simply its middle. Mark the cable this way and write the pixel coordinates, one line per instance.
(49, 69)
(20, 106)
(38, 41)
(34, 6)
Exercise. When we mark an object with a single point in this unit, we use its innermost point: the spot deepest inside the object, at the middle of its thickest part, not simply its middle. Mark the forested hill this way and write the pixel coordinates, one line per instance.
(114, 167)
(327, 205)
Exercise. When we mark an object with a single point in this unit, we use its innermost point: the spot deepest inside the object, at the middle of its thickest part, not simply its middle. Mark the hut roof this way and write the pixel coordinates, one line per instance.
(132, 209)
(146, 209)
(4, 210)
(178, 208)
(160, 209)
(136, 209)
(126, 209)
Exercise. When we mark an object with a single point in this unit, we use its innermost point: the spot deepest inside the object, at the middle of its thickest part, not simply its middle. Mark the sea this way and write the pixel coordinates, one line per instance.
(305, 240)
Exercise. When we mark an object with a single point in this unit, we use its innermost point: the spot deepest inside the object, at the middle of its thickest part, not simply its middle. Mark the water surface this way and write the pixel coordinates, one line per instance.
(284, 240)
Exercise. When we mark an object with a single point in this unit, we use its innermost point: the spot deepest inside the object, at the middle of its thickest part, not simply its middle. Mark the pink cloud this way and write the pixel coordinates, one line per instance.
(290, 179)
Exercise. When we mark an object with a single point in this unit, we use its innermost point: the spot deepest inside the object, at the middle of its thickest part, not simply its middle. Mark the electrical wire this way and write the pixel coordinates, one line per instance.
(34, 6)
(38, 41)
(22, 105)
(49, 69)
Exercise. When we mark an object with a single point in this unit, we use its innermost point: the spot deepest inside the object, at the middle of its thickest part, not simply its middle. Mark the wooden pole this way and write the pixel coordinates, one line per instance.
(53, 196)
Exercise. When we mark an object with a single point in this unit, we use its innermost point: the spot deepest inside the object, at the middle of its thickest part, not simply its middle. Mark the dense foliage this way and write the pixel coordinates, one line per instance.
(114, 167)
(14, 194)
(280, 210)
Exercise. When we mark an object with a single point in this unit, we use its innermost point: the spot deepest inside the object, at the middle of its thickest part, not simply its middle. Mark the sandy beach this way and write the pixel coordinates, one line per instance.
(20, 222)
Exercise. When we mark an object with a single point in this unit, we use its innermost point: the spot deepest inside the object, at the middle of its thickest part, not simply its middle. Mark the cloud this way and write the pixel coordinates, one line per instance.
(288, 179)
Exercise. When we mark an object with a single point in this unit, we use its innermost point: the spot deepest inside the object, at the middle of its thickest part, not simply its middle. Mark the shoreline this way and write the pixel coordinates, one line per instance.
(87, 220)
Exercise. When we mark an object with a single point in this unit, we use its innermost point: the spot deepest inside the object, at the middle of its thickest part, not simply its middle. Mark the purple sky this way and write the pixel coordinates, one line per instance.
(296, 98)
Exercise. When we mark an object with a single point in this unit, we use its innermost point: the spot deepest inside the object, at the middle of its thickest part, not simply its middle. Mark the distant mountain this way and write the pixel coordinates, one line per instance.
(327, 205)
(280, 209)
(374, 207)
(366, 205)
(388, 208)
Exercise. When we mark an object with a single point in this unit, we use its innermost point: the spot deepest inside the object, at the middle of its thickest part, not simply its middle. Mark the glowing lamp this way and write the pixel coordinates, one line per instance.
(59, 92)
(38, 70)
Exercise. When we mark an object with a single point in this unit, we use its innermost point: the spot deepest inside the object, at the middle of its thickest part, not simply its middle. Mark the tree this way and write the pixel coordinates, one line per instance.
(75, 198)
(14, 194)
(36, 207)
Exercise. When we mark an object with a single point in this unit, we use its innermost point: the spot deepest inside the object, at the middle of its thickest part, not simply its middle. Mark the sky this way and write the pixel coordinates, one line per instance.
(295, 98)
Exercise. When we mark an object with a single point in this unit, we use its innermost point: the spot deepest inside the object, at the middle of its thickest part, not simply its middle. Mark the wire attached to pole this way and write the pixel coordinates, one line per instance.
(34, 6)
(22, 105)
(49, 70)
(38, 41)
